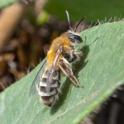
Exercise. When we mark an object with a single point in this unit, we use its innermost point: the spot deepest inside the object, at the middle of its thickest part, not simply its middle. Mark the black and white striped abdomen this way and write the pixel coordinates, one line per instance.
(48, 87)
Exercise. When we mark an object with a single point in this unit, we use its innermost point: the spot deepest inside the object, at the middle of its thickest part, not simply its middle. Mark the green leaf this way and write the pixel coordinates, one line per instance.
(4, 3)
(100, 73)
(88, 9)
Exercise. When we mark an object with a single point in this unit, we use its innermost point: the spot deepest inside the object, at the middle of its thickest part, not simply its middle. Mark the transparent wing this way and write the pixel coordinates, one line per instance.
(40, 71)
(37, 79)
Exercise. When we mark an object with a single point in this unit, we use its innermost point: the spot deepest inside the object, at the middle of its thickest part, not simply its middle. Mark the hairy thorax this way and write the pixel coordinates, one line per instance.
(60, 41)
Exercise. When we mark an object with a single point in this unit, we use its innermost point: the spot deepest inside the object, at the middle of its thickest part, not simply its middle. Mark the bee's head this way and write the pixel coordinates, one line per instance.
(74, 37)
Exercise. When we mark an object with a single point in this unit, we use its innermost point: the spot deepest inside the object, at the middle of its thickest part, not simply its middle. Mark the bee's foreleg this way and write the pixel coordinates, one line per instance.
(77, 55)
(66, 69)
(73, 56)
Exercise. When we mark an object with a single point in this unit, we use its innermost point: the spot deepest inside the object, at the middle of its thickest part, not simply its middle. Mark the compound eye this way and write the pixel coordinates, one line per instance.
(78, 38)
(75, 38)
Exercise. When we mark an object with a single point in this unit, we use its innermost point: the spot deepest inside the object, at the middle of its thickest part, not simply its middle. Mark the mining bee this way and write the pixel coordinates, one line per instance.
(61, 53)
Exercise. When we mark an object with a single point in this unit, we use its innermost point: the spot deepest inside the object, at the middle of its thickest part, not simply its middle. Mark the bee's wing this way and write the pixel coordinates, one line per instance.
(55, 62)
(40, 72)
(37, 79)
(58, 53)
(66, 69)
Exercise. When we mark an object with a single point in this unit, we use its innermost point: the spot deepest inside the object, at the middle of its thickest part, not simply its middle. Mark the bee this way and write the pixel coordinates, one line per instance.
(61, 53)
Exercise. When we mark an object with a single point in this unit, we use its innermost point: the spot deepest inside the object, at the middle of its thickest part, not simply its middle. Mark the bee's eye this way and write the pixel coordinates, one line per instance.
(75, 38)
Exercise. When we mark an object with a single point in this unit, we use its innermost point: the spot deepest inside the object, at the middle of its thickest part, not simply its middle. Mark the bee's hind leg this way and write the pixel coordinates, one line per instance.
(66, 69)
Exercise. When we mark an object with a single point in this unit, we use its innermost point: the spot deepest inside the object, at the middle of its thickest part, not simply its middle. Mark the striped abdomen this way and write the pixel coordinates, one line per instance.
(48, 88)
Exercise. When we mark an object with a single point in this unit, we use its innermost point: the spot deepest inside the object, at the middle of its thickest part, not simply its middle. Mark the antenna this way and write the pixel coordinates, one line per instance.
(75, 29)
(68, 19)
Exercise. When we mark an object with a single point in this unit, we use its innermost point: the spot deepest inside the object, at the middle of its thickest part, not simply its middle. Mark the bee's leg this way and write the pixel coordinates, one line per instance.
(66, 69)
(77, 55)
(73, 56)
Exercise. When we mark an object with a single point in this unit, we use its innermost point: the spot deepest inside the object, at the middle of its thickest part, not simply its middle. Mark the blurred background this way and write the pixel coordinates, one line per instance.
(28, 27)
